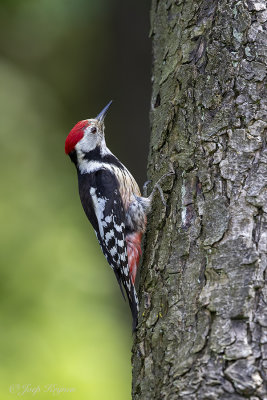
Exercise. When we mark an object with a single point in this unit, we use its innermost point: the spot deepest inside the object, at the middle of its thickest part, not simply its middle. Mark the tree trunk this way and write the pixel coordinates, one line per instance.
(203, 319)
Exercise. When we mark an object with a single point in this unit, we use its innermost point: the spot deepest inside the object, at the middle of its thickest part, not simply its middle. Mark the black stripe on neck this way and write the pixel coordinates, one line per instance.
(73, 157)
(95, 155)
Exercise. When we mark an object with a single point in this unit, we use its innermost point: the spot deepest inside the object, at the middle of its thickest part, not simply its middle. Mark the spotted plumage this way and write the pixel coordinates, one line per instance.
(112, 202)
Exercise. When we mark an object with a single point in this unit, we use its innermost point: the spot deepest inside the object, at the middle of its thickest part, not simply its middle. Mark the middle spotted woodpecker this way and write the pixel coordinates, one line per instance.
(111, 200)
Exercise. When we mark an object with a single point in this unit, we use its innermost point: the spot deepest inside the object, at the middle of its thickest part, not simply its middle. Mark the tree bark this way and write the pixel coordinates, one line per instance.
(203, 319)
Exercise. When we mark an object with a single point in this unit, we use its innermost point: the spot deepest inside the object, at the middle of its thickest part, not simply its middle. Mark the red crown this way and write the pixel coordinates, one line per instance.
(75, 135)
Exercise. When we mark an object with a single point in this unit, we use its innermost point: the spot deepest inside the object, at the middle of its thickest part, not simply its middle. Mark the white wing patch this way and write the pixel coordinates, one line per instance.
(111, 233)
(113, 251)
(109, 236)
(112, 240)
(118, 227)
(108, 219)
(99, 207)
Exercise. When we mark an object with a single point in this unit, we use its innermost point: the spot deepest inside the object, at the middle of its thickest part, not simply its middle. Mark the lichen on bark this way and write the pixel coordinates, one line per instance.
(203, 322)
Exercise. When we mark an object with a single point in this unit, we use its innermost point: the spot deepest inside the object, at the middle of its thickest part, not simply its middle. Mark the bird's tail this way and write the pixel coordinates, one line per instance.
(134, 305)
(125, 282)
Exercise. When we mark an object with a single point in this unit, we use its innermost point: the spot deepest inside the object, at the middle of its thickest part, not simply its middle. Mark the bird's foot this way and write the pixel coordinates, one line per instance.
(158, 187)
(145, 185)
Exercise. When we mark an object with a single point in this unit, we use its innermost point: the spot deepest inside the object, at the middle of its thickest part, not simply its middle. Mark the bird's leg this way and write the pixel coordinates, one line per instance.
(145, 185)
(158, 187)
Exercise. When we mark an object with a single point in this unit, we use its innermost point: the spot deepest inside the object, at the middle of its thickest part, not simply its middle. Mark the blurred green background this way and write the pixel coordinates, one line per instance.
(63, 320)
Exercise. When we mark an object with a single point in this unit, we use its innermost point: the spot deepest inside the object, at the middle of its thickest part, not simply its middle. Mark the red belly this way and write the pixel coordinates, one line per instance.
(134, 252)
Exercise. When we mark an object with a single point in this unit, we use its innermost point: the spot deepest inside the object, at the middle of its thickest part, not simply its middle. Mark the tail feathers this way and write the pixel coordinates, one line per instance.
(118, 277)
(134, 305)
(130, 291)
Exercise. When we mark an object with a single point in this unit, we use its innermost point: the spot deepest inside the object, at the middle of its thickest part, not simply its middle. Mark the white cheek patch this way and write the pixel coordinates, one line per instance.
(87, 143)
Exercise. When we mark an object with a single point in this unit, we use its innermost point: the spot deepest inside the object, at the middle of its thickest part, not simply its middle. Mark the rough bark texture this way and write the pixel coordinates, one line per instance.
(203, 328)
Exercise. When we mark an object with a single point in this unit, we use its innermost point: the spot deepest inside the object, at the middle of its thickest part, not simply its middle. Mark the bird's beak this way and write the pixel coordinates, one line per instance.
(102, 114)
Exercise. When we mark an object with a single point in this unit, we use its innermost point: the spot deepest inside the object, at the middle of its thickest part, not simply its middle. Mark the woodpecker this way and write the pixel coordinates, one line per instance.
(111, 200)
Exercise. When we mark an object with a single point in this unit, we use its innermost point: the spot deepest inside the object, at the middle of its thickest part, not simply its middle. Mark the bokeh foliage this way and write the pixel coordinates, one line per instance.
(63, 320)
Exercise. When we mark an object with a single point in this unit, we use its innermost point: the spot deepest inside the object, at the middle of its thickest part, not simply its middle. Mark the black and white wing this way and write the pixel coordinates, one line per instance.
(110, 231)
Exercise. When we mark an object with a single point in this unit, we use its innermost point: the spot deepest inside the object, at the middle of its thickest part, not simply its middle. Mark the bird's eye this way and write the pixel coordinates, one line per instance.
(93, 129)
